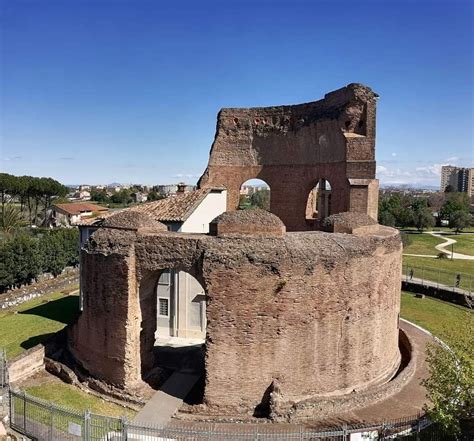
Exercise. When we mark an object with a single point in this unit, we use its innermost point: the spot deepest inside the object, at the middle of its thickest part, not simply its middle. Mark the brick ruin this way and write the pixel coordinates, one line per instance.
(292, 315)
(291, 148)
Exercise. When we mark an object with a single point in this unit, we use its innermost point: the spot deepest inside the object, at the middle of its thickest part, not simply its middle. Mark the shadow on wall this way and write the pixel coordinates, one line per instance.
(63, 310)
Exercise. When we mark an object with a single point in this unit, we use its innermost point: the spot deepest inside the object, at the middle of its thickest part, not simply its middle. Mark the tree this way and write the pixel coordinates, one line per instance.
(387, 218)
(20, 261)
(460, 220)
(122, 197)
(261, 199)
(6, 186)
(11, 219)
(100, 196)
(451, 381)
(454, 202)
(154, 196)
(423, 219)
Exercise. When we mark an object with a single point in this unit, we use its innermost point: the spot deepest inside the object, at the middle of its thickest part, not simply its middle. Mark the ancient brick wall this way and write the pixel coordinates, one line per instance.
(292, 147)
(103, 337)
(315, 313)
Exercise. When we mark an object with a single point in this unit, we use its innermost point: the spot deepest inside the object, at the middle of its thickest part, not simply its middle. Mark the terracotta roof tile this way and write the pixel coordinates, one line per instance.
(79, 207)
(175, 208)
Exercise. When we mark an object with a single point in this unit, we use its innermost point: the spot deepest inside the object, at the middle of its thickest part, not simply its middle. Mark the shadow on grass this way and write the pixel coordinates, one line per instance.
(33, 341)
(63, 310)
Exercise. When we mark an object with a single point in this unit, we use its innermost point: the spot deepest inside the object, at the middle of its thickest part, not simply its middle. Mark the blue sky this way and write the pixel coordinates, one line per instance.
(128, 90)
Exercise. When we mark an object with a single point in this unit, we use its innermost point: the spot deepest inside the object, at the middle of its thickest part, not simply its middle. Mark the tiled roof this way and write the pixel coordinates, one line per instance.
(79, 207)
(175, 208)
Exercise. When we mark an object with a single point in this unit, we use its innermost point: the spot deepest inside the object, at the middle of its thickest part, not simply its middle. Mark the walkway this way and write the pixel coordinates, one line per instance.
(448, 241)
(424, 282)
(442, 247)
(165, 402)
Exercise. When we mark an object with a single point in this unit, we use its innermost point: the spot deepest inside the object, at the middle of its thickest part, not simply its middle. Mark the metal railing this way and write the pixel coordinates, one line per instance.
(45, 421)
(3, 384)
(438, 278)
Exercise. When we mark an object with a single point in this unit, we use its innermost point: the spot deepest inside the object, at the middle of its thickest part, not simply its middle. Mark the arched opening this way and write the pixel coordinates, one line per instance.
(173, 326)
(181, 307)
(254, 193)
(318, 205)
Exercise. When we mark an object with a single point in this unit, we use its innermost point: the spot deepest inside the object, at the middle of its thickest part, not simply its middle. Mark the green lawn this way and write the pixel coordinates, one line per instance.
(69, 396)
(441, 229)
(464, 243)
(32, 322)
(440, 318)
(423, 244)
(441, 270)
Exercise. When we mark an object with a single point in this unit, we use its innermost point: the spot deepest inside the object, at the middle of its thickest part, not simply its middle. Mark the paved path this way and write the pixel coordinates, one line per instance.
(424, 282)
(447, 242)
(165, 402)
(442, 247)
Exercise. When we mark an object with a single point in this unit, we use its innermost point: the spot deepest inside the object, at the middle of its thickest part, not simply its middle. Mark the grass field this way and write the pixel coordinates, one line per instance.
(464, 243)
(423, 244)
(441, 229)
(440, 318)
(32, 322)
(69, 396)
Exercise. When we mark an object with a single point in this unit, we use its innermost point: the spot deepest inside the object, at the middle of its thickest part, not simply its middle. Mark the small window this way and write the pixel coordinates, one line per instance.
(164, 278)
(163, 307)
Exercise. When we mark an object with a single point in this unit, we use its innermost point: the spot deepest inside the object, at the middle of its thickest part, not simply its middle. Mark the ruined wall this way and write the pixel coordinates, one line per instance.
(291, 147)
(315, 313)
(105, 341)
(314, 326)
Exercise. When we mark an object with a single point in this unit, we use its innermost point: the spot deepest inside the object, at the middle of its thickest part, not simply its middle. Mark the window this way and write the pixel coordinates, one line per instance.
(163, 307)
(164, 278)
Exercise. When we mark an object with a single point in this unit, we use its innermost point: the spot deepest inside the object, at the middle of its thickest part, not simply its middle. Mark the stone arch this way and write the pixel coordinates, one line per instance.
(253, 188)
(288, 146)
(318, 205)
(149, 305)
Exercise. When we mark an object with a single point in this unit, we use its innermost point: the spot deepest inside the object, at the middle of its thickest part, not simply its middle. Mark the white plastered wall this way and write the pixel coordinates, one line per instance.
(212, 206)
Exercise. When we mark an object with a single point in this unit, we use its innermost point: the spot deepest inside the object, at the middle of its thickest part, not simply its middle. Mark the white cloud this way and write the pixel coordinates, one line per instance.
(452, 160)
(185, 175)
(429, 171)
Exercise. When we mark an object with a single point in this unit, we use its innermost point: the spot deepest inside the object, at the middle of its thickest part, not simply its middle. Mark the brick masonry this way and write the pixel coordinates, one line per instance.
(292, 147)
(291, 316)
(314, 312)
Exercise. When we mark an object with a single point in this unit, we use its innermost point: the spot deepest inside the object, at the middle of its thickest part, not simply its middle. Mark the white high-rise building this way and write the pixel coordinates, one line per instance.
(458, 178)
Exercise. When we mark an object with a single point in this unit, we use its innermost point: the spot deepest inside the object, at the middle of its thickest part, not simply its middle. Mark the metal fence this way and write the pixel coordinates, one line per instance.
(3, 384)
(462, 283)
(44, 421)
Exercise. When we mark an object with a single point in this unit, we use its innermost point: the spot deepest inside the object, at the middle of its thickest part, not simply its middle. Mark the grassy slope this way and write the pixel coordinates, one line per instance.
(465, 243)
(440, 318)
(423, 244)
(72, 397)
(28, 324)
